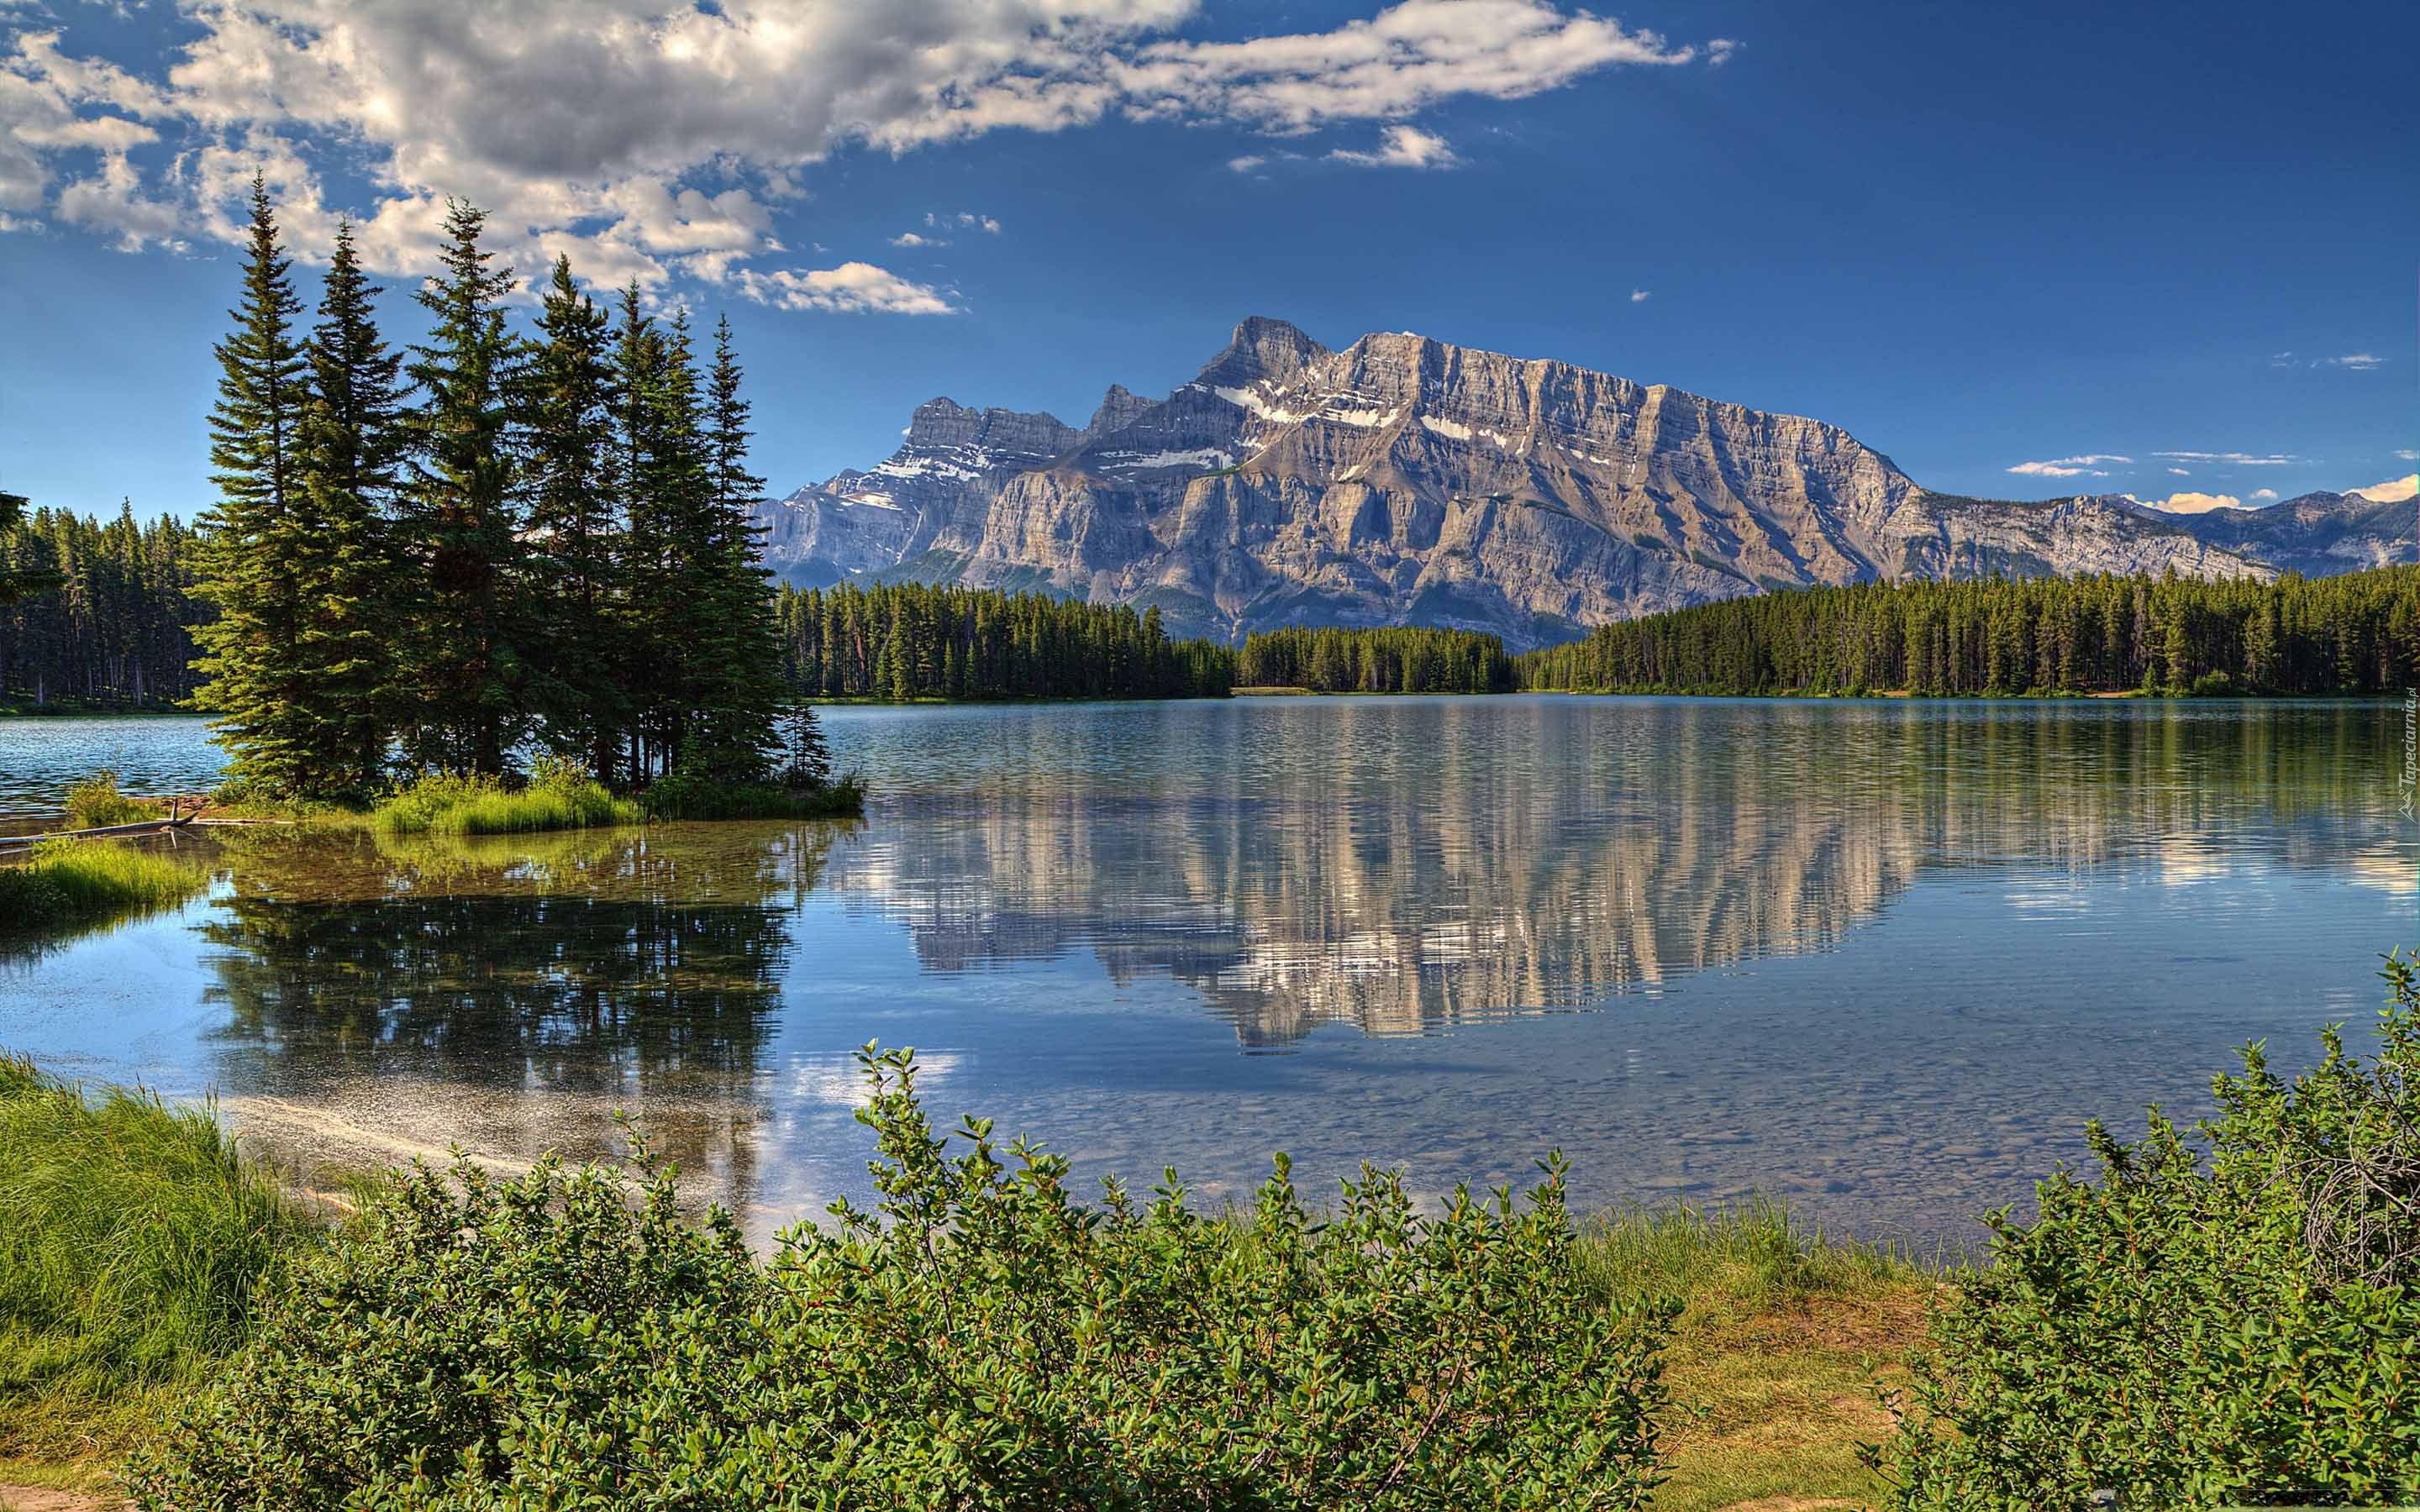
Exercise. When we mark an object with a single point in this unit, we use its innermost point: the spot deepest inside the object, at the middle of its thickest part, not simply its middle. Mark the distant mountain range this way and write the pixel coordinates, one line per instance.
(1404, 481)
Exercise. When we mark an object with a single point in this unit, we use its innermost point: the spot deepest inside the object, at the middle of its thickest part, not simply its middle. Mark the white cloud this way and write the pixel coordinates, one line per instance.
(2393, 491)
(2264, 493)
(1402, 146)
(2069, 467)
(2236, 459)
(2358, 362)
(853, 288)
(2409, 454)
(657, 131)
(2191, 504)
(1245, 163)
(1639, 296)
(911, 238)
(2181, 472)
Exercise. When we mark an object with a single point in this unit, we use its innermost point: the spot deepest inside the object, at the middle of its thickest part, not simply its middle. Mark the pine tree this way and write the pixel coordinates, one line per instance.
(466, 665)
(17, 584)
(246, 567)
(340, 548)
(567, 408)
(809, 763)
(740, 697)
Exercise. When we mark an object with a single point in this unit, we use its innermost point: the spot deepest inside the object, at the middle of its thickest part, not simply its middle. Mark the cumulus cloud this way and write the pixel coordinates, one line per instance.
(1639, 296)
(651, 136)
(853, 289)
(2191, 504)
(1247, 162)
(2236, 459)
(911, 238)
(2264, 493)
(2393, 491)
(2069, 467)
(1402, 146)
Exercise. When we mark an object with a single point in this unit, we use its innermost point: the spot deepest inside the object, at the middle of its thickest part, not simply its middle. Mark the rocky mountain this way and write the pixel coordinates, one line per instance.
(1403, 480)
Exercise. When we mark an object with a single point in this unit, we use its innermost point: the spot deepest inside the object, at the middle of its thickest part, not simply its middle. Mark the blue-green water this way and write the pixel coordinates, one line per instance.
(1882, 959)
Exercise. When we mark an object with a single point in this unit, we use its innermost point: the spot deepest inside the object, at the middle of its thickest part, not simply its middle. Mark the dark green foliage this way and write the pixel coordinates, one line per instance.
(119, 631)
(97, 802)
(573, 482)
(17, 582)
(1375, 661)
(249, 538)
(340, 551)
(806, 758)
(690, 796)
(135, 1246)
(2201, 1327)
(910, 640)
(979, 1341)
(2359, 633)
(466, 659)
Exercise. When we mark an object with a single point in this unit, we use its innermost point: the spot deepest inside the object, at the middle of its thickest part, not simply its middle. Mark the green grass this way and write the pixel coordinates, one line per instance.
(441, 805)
(1783, 1336)
(136, 1246)
(96, 803)
(70, 881)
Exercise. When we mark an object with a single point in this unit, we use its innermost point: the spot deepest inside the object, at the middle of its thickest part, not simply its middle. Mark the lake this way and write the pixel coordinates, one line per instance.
(1881, 959)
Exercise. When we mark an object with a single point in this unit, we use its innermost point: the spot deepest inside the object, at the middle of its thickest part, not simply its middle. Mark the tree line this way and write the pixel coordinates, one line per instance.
(429, 559)
(99, 613)
(2105, 633)
(914, 641)
(1384, 660)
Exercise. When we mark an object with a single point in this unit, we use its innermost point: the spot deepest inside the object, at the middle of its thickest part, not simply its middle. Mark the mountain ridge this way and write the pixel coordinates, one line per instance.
(1405, 480)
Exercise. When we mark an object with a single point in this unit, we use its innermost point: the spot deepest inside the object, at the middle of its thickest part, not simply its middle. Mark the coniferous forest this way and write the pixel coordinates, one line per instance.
(431, 559)
(910, 640)
(104, 617)
(2359, 633)
(1375, 661)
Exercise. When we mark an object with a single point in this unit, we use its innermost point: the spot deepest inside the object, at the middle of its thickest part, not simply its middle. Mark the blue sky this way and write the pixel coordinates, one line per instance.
(2150, 248)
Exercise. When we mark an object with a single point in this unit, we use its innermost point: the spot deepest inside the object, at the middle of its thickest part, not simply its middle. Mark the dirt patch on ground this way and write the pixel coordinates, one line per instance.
(43, 1499)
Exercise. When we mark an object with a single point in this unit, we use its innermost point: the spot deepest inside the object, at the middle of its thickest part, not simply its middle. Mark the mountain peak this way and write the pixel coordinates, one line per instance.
(1262, 348)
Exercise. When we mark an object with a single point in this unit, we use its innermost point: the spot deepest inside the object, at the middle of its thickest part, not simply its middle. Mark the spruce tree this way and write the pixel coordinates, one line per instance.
(340, 549)
(572, 476)
(17, 584)
(658, 480)
(742, 694)
(246, 561)
(467, 670)
(808, 764)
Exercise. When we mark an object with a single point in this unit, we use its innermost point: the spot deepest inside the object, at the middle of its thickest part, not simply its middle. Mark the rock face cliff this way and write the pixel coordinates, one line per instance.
(1403, 480)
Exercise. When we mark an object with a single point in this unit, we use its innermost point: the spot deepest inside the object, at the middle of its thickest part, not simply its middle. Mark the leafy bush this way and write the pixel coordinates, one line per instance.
(96, 803)
(135, 1246)
(2192, 1332)
(689, 796)
(70, 881)
(978, 1341)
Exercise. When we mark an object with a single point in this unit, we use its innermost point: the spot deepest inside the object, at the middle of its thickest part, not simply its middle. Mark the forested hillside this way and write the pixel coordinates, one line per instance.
(1384, 660)
(112, 627)
(2359, 633)
(907, 640)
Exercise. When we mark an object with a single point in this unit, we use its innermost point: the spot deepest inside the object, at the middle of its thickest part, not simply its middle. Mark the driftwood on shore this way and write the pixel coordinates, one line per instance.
(178, 817)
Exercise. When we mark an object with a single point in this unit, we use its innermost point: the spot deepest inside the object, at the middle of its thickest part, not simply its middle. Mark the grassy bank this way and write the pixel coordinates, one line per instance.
(65, 884)
(445, 805)
(136, 1247)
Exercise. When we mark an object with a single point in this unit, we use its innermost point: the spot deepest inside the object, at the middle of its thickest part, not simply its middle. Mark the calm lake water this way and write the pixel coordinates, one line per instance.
(1881, 959)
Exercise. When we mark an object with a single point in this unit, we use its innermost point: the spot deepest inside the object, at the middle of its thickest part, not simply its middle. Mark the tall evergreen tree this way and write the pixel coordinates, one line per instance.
(341, 551)
(467, 664)
(572, 480)
(246, 563)
(18, 584)
(738, 701)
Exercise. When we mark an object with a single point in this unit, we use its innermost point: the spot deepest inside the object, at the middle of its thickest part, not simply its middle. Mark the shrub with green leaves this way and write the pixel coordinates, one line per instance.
(97, 803)
(978, 1340)
(560, 795)
(2203, 1326)
(692, 795)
